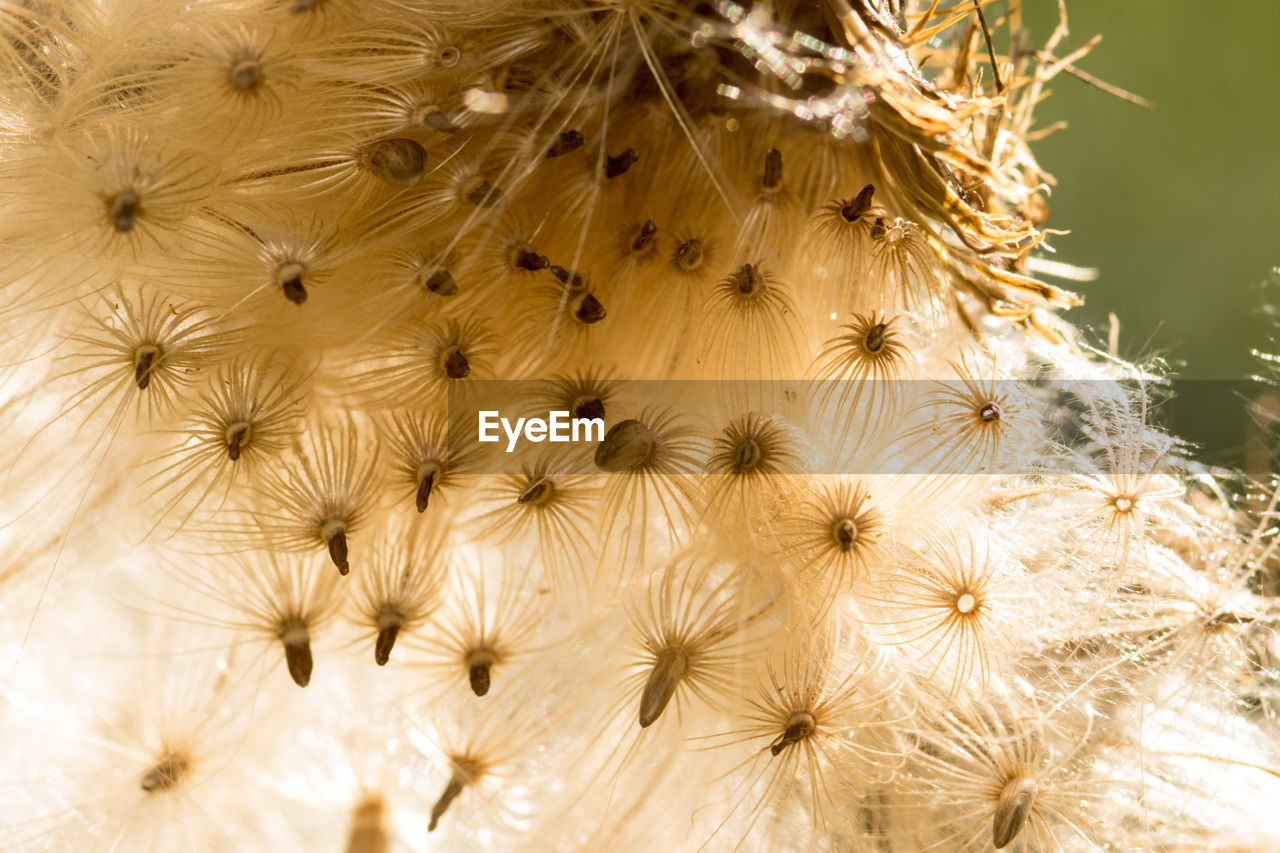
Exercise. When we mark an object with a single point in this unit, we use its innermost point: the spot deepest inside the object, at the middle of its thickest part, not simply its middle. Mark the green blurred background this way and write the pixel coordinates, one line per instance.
(1178, 206)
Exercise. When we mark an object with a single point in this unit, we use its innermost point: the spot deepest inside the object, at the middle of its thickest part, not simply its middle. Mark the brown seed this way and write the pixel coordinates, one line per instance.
(458, 780)
(747, 279)
(747, 456)
(1012, 810)
(337, 542)
(799, 726)
(481, 193)
(625, 447)
(456, 365)
(166, 773)
(246, 74)
(570, 140)
(878, 230)
(588, 408)
(619, 164)
(570, 279)
(397, 161)
(124, 207)
(989, 413)
(771, 181)
(589, 310)
(425, 483)
(434, 118)
(531, 261)
(874, 341)
(540, 492)
(297, 652)
(238, 435)
(368, 833)
(643, 241)
(668, 668)
(288, 276)
(479, 665)
(852, 210)
(689, 255)
(441, 283)
(389, 624)
(845, 532)
(144, 361)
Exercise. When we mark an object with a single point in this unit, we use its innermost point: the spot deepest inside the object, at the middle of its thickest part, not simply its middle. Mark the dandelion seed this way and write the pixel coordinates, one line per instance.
(122, 188)
(816, 723)
(250, 412)
(1008, 775)
(832, 535)
(486, 630)
(400, 588)
(137, 341)
(551, 511)
(427, 464)
(324, 497)
(697, 630)
(466, 771)
(425, 359)
(748, 330)
(904, 273)
(950, 603)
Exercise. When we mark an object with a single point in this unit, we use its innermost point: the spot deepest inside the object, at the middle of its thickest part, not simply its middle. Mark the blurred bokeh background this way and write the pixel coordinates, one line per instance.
(1178, 207)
